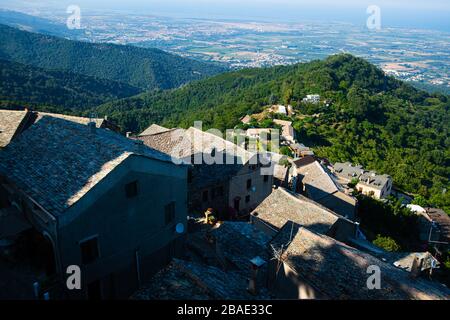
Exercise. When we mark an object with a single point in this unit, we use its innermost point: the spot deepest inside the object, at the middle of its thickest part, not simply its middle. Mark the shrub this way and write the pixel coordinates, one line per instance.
(386, 243)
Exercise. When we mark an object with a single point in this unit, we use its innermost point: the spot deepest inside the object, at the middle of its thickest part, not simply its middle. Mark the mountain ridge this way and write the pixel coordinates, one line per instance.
(32, 86)
(372, 119)
(147, 69)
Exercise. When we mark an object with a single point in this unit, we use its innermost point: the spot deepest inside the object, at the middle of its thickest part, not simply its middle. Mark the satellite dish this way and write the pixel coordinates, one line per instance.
(179, 228)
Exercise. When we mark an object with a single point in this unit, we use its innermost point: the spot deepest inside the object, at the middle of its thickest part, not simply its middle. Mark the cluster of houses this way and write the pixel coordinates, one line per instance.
(366, 182)
(312, 98)
(133, 213)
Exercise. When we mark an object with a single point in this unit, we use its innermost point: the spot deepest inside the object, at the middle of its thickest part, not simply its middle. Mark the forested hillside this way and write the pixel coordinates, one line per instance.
(374, 120)
(139, 67)
(31, 23)
(64, 90)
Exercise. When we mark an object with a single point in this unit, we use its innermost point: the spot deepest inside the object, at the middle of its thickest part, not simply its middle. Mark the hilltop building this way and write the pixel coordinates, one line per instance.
(246, 119)
(312, 98)
(287, 131)
(257, 133)
(282, 110)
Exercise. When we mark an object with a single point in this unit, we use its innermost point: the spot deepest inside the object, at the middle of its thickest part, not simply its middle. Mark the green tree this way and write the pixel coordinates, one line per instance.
(386, 243)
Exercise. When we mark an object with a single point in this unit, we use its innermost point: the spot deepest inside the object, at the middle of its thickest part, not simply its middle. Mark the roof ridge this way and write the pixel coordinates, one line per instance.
(162, 132)
(300, 197)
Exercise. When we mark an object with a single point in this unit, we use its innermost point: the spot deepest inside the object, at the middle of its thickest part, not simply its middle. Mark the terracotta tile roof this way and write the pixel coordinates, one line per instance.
(338, 271)
(282, 206)
(10, 123)
(57, 161)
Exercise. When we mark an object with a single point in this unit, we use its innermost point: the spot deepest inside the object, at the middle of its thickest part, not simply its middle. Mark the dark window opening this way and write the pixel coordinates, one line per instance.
(247, 199)
(220, 191)
(237, 204)
(249, 184)
(170, 213)
(213, 193)
(189, 176)
(94, 290)
(205, 196)
(131, 189)
(89, 250)
(266, 178)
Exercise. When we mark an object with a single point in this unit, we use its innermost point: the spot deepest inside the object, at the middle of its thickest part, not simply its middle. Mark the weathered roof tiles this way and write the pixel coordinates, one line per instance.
(56, 161)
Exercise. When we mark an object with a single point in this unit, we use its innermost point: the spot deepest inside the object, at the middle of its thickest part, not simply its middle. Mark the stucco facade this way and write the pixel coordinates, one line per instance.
(248, 189)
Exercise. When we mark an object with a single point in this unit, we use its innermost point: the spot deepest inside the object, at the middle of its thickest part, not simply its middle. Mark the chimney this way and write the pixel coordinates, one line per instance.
(106, 118)
(92, 126)
(416, 267)
(128, 134)
(138, 146)
(257, 263)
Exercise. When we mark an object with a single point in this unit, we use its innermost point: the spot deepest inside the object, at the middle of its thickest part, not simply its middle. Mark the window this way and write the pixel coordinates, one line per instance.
(266, 178)
(189, 175)
(169, 213)
(237, 204)
(131, 189)
(205, 196)
(89, 250)
(213, 193)
(247, 199)
(249, 184)
(220, 191)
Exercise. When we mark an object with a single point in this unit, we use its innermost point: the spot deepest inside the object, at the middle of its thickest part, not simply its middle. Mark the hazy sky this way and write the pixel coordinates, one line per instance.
(405, 13)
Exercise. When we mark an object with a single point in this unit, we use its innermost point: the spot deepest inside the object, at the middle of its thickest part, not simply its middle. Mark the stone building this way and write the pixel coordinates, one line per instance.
(86, 196)
(222, 175)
